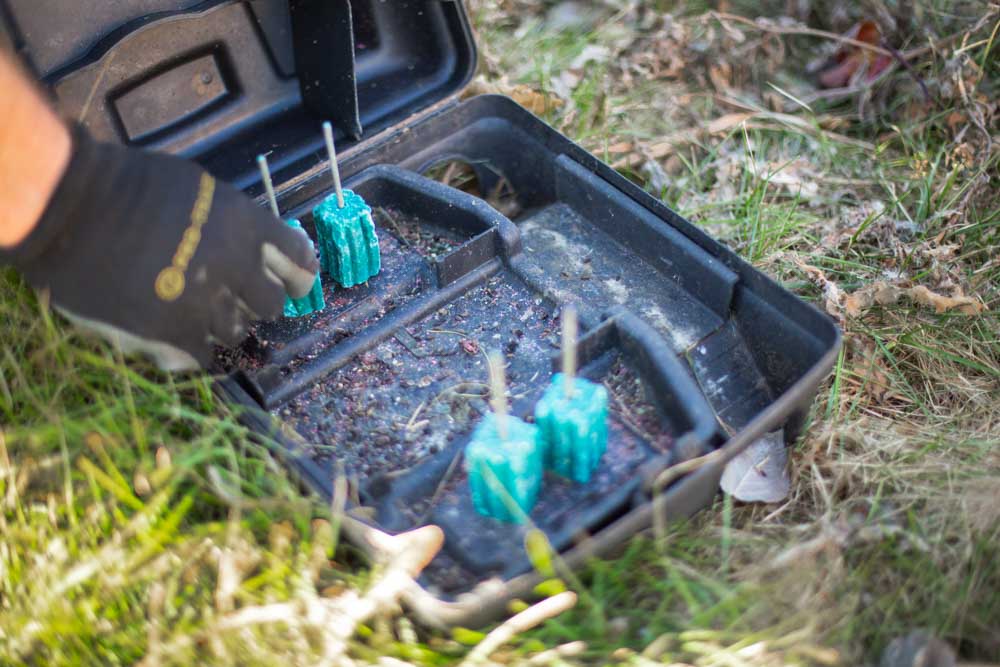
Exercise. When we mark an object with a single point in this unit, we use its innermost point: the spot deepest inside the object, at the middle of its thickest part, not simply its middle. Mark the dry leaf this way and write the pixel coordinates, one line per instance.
(884, 294)
(621, 147)
(759, 474)
(728, 122)
(833, 296)
(956, 119)
(874, 380)
(564, 84)
(535, 101)
(850, 60)
(965, 304)
(592, 53)
(571, 15)
(642, 153)
(657, 179)
(797, 176)
(720, 75)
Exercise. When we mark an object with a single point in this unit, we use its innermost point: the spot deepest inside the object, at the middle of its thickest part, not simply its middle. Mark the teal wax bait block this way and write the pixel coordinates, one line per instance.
(348, 247)
(505, 474)
(310, 303)
(573, 429)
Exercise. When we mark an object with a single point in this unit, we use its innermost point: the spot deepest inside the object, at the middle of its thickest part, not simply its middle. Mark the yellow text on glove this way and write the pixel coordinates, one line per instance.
(170, 281)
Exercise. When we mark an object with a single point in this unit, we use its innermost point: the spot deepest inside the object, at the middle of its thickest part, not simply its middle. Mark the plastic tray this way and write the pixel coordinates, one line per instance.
(700, 352)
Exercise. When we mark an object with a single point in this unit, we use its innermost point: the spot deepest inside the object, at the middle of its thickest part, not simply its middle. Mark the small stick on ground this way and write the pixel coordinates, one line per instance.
(526, 620)
(391, 220)
(439, 491)
(799, 30)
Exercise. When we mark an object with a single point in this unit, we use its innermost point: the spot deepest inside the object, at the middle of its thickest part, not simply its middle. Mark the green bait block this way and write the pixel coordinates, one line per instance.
(505, 473)
(348, 247)
(310, 303)
(572, 426)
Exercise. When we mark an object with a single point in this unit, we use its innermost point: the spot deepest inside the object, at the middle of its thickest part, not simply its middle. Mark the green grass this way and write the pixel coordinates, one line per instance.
(118, 482)
(127, 493)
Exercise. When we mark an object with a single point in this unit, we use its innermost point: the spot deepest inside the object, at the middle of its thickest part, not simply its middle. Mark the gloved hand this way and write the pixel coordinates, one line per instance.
(153, 253)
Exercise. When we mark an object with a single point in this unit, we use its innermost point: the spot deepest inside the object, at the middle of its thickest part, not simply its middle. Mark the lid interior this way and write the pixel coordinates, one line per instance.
(221, 81)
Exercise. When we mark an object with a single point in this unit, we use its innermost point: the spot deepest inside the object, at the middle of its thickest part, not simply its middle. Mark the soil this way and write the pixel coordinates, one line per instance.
(429, 241)
(630, 405)
(413, 394)
(408, 246)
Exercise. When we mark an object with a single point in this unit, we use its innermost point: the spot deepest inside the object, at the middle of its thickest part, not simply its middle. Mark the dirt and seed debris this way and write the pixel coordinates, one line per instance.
(631, 405)
(430, 241)
(412, 399)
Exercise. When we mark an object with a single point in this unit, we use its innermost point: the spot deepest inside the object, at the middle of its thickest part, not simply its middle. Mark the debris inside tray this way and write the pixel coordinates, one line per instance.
(630, 404)
(429, 241)
(409, 418)
(412, 394)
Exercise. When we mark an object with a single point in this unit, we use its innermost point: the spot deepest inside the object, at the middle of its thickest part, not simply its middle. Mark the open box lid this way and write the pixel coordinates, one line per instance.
(221, 81)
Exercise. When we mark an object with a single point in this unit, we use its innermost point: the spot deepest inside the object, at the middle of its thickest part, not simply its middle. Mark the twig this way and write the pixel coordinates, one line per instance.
(800, 30)
(553, 655)
(944, 41)
(518, 624)
(105, 66)
(338, 503)
(336, 620)
(668, 477)
(416, 413)
(836, 94)
(901, 58)
(670, 143)
(817, 126)
(626, 417)
(440, 487)
(801, 124)
(389, 218)
(455, 390)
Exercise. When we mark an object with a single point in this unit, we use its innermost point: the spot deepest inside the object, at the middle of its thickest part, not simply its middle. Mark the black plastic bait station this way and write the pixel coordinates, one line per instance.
(698, 351)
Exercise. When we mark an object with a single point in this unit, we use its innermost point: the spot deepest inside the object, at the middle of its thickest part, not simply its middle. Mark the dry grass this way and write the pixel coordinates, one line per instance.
(872, 190)
(140, 522)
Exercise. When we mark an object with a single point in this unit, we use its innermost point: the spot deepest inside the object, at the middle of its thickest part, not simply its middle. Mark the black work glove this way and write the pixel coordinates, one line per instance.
(151, 252)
